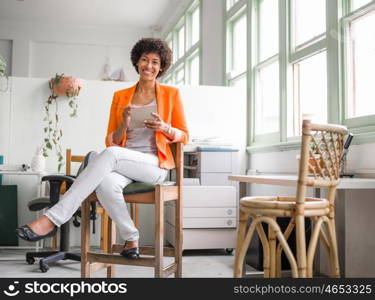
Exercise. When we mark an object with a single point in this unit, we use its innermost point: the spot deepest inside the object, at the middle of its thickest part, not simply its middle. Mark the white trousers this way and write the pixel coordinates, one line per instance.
(107, 174)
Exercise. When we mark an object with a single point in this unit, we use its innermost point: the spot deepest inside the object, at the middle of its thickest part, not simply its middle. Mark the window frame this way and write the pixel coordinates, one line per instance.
(256, 66)
(190, 50)
(363, 126)
(332, 41)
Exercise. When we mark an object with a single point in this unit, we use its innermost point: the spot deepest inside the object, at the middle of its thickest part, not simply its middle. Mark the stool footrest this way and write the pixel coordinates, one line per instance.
(98, 266)
(118, 259)
(172, 268)
(147, 250)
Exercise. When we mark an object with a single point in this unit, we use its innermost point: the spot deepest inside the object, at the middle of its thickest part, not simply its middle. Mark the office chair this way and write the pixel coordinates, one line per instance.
(58, 185)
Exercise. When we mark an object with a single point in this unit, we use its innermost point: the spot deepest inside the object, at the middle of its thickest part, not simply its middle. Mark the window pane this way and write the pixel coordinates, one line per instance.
(180, 76)
(230, 3)
(269, 31)
(239, 45)
(181, 41)
(239, 82)
(195, 26)
(361, 66)
(194, 71)
(169, 41)
(359, 3)
(267, 100)
(310, 90)
(310, 19)
(168, 80)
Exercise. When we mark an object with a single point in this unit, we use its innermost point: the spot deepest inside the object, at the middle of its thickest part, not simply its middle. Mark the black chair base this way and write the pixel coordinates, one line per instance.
(50, 257)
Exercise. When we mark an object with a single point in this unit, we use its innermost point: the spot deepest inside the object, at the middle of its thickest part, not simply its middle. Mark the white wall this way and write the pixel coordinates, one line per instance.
(39, 50)
(207, 110)
(213, 42)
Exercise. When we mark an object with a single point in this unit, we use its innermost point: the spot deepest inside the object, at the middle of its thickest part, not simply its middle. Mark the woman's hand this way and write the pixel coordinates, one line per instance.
(156, 124)
(126, 117)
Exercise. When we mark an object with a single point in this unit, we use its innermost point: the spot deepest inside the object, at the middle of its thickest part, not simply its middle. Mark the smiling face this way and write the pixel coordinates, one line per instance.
(149, 66)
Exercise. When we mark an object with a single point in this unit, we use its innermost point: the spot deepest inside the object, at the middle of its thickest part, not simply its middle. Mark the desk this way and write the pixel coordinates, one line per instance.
(39, 176)
(341, 213)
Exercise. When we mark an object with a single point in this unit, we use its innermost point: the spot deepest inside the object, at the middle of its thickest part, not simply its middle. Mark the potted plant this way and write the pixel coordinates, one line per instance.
(59, 85)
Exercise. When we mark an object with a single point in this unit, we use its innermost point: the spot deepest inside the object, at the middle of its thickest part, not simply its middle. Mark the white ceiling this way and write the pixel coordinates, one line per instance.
(111, 13)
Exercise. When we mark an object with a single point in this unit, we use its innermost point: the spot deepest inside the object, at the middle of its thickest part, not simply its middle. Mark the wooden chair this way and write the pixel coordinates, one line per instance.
(139, 193)
(319, 167)
(99, 209)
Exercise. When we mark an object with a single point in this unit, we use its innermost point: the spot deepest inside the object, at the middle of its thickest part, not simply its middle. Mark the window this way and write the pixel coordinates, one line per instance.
(180, 42)
(266, 70)
(309, 20)
(310, 91)
(231, 3)
(180, 75)
(308, 62)
(194, 19)
(267, 99)
(306, 59)
(194, 70)
(237, 47)
(361, 65)
(268, 28)
(359, 3)
(185, 39)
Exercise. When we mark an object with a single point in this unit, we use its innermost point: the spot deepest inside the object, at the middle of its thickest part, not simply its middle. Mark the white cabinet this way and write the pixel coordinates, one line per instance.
(209, 209)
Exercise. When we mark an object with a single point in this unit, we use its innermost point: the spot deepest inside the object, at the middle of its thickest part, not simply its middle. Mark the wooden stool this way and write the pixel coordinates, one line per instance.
(136, 193)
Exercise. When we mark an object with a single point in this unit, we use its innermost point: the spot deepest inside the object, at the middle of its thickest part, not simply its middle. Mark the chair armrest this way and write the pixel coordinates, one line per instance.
(55, 182)
(59, 178)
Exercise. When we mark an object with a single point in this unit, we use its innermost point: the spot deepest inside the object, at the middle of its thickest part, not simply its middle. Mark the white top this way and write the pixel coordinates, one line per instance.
(138, 137)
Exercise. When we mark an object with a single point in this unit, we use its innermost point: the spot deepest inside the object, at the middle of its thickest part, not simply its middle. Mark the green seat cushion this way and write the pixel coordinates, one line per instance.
(138, 187)
(141, 187)
(39, 203)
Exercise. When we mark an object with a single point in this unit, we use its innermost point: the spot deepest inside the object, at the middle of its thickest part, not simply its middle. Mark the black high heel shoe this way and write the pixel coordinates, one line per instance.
(26, 233)
(132, 253)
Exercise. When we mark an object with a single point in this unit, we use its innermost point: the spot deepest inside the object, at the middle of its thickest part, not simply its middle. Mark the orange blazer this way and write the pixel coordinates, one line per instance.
(169, 108)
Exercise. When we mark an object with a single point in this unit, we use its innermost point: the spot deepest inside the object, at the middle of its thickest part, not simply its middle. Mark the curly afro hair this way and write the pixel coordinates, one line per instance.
(152, 45)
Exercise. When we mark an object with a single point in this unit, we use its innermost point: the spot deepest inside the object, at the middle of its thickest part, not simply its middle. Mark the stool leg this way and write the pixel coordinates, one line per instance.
(178, 239)
(104, 232)
(111, 239)
(159, 232)
(334, 257)
(272, 243)
(238, 265)
(85, 238)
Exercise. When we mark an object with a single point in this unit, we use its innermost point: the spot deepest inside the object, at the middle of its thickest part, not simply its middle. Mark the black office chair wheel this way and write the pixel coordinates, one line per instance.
(229, 251)
(30, 260)
(43, 267)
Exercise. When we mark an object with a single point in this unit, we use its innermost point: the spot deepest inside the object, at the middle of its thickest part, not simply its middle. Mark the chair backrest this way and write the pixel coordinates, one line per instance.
(72, 158)
(320, 159)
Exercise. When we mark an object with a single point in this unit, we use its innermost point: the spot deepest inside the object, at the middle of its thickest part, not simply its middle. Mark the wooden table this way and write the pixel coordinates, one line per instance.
(291, 180)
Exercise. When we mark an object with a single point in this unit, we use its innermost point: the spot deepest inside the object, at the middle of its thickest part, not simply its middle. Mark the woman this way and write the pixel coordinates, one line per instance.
(137, 148)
